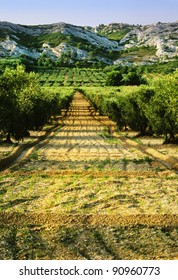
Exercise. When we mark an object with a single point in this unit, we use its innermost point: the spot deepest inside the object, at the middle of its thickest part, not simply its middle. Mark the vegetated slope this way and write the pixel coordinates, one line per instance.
(82, 194)
(103, 43)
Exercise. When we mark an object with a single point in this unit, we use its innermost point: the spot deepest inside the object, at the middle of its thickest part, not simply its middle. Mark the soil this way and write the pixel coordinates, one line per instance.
(87, 186)
(83, 142)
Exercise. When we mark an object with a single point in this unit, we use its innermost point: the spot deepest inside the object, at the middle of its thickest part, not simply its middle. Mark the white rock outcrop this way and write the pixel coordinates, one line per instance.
(162, 36)
(11, 48)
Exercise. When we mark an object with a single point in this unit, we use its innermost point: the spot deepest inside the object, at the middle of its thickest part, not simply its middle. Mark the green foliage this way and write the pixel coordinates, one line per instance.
(138, 102)
(12, 86)
(24, 104)
(117, 108)
(114, 78)
(137, 54)
(117, 34)
(163, 107)
(162, 68)
(148, 109)
(142, 51)
(76, 77)
(125, 76)
(135, 116)
(54, 39)
(9, 62)
(3, 34)
(132, 78)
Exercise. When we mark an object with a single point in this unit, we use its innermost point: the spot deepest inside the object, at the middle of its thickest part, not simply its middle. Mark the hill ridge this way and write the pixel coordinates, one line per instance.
(110, 44)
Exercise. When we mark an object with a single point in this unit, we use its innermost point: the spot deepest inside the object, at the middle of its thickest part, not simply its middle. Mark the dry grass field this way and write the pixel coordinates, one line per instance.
(84, 194)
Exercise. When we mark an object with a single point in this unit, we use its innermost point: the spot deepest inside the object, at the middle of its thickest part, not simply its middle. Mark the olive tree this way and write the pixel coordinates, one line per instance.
(162, 112)
(20, 95)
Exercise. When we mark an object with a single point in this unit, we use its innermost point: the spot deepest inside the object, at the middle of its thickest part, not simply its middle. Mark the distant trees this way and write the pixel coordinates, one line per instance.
(45, 61)
(114, 78)
(125, 76)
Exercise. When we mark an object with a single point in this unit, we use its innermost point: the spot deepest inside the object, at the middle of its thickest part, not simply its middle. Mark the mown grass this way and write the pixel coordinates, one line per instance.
(90, 192)
(76, 215)
(109, 243)
(95, 209)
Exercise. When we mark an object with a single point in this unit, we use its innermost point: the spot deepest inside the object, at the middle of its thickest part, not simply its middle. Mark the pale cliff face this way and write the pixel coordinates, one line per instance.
(162, 36)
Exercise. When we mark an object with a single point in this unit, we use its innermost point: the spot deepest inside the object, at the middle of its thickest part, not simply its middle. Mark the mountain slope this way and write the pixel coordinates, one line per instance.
(161, 36)
(114, 43)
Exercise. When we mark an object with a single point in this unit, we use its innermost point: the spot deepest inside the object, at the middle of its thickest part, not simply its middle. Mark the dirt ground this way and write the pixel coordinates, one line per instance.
(83, 143)
(87, 192)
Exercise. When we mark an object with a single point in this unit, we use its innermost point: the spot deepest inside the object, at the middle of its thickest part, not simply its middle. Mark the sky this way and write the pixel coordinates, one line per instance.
(88, 12)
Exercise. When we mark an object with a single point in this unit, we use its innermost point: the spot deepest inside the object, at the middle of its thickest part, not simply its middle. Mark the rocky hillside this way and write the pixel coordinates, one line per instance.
(163, 37)
(115, 43)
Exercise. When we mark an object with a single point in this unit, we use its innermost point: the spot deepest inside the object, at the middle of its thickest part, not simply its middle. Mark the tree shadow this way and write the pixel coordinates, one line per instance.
(16, 202)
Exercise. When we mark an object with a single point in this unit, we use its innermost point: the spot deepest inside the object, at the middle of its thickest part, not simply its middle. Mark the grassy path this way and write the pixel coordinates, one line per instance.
(80, 194)
(83, 143)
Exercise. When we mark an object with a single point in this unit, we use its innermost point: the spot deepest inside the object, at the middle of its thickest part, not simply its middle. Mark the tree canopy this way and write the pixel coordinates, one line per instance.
(24, 105)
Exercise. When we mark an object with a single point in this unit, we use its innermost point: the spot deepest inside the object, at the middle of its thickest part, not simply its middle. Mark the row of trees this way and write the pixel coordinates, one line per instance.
(69, 59)
(24, 105)
(148, 109)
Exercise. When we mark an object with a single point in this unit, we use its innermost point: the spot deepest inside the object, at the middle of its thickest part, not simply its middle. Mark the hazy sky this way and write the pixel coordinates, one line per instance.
(88, 12)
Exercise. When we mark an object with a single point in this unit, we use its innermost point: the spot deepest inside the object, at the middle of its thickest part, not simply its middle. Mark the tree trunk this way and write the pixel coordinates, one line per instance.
(8, 138)
(171, 139)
